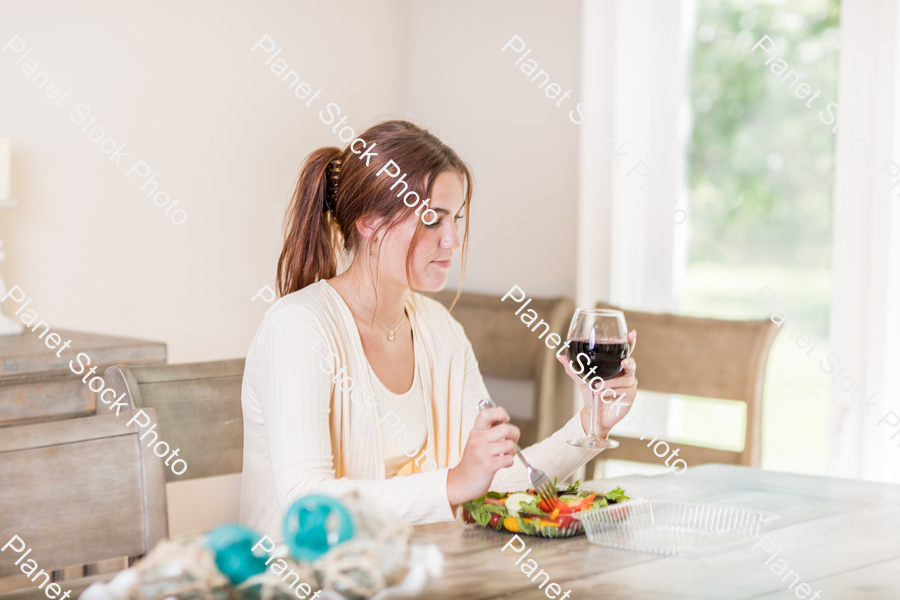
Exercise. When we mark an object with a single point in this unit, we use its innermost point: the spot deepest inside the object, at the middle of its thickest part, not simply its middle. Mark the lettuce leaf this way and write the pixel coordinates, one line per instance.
(481, 516)
(617, 495)
(531, 508)
(526, 527)
(482, 512)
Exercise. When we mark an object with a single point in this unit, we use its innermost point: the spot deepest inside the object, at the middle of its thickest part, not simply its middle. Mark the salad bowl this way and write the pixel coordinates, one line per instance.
(529, 514)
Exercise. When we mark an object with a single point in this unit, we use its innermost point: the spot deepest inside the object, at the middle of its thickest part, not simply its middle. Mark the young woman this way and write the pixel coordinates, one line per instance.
(355, 381)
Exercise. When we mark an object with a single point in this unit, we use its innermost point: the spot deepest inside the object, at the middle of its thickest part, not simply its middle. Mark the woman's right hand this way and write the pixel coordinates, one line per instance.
(490, 447)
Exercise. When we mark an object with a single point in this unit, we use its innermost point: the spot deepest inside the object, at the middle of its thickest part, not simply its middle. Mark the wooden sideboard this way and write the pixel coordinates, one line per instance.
(37, 385)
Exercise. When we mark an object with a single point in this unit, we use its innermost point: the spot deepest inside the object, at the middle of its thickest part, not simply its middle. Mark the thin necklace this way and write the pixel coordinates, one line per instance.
(391, 331)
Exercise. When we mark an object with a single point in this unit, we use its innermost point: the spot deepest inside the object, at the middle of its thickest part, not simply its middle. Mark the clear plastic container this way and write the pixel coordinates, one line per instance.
(673, 528)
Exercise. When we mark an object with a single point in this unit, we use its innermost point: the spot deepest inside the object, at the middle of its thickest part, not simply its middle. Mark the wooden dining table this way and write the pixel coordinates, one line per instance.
(841, 536)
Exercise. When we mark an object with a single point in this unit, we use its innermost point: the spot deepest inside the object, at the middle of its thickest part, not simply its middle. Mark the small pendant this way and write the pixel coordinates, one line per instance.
(391, 338)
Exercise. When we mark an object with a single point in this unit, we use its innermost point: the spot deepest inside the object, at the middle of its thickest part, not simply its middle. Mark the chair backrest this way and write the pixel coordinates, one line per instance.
(80, 491)
(506, 347)
(198, 407)
(710, 358)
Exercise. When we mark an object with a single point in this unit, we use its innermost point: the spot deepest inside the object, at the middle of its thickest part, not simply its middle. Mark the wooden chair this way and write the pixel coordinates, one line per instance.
(506, 347)
(78, 491)
(710, 358)
(199, 409)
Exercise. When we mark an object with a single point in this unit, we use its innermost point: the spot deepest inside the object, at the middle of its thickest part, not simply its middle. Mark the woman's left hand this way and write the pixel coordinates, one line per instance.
(616, 396)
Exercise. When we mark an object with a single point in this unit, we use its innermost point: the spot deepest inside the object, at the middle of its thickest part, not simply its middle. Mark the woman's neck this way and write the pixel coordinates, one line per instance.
(367, 290)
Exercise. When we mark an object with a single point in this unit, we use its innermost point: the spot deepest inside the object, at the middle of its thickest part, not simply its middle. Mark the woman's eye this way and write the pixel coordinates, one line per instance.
(439, 221)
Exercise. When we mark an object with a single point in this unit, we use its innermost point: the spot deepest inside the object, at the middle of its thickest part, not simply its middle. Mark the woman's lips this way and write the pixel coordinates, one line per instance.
(445, 264)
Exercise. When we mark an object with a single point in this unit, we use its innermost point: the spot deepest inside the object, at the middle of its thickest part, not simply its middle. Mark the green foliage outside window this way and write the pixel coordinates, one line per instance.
(761, 162)
(761, 185)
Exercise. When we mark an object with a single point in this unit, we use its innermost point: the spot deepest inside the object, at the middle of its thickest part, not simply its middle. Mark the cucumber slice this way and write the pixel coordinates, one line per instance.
(514, 501)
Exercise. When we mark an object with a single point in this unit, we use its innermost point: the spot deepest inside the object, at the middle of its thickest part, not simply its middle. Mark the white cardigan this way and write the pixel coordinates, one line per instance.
(303, 435)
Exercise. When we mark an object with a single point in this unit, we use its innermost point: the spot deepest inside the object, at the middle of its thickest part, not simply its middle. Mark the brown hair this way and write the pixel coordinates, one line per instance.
(314, 237)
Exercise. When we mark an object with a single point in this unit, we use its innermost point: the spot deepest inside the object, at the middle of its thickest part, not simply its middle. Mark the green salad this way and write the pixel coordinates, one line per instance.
(524, 512)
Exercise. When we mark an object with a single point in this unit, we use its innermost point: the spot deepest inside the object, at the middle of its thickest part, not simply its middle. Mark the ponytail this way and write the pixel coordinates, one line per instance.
(311, 236)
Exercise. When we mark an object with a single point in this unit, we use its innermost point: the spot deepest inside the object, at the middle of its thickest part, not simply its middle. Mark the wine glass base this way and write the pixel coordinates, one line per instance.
(594, 442)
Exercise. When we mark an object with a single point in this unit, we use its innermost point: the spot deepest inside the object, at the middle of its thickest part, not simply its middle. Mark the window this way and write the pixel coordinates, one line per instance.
(760, 180)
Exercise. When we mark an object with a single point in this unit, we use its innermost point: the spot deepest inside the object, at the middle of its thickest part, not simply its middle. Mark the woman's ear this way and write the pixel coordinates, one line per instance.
(367, 227)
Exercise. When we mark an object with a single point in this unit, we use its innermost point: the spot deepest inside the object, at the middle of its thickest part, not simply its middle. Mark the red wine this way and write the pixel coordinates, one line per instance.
(606, 355)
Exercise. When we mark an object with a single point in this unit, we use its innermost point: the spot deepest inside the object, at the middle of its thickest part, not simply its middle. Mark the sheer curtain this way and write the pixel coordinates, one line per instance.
(635, 60)
(634, 84)
(865, 298)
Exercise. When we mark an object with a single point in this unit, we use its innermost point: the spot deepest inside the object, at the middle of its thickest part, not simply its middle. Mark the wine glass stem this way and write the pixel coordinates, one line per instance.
(594, 407)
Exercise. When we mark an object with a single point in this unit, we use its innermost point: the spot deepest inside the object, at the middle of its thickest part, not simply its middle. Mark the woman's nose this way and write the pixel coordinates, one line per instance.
(451, 240)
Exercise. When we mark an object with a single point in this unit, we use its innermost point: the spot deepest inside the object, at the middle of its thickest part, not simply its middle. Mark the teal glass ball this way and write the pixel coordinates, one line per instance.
(233, 546)
(314, 524)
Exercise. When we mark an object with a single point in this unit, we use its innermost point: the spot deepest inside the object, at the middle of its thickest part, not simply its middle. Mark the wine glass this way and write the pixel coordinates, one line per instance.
(598, 343)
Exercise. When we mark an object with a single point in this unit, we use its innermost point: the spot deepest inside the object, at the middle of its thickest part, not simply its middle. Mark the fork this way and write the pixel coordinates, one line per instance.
(539, 481)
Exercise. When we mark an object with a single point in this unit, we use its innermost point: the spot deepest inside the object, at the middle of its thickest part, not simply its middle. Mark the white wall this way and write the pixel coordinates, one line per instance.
(521, 147)
(178, 84)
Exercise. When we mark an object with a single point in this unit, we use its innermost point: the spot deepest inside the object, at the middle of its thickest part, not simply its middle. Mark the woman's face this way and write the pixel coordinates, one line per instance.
(432, 257)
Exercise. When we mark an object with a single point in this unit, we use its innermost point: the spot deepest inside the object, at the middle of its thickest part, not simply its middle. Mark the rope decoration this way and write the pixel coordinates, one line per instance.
(182, 567)
(375, 558)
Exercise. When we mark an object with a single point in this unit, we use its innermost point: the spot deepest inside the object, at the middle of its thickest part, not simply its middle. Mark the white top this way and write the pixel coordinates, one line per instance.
(304, 434)
(404, 437)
